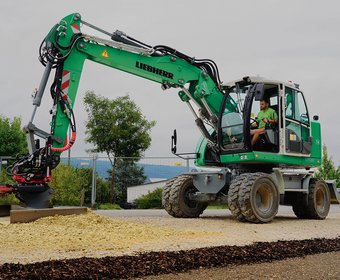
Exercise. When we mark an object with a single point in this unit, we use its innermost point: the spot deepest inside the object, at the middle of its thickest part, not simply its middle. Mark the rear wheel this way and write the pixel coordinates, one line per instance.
(317, 203)
(319, 200)
(259, 198)
(179, 204)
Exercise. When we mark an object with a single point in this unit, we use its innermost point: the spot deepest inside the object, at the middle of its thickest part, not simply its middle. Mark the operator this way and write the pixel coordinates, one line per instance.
(265, 117)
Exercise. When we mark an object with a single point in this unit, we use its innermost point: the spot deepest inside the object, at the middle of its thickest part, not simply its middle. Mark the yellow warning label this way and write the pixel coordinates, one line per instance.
(105, 54)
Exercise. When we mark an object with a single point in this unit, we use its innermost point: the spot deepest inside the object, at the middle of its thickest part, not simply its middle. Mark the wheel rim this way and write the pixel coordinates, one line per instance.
(188, 202)
(320, 200)
(264, 198)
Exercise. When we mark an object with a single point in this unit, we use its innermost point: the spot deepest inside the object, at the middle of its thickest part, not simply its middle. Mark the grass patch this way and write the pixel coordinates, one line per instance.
(109, 206)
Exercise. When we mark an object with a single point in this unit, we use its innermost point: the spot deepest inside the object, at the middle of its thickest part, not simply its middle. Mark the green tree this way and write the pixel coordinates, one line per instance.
(117, 128)
(103, 191)
(127, 174)
(328, 171)
(13, 139)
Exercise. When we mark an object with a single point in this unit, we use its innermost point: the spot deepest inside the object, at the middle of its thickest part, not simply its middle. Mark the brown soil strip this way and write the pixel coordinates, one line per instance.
(155, 263)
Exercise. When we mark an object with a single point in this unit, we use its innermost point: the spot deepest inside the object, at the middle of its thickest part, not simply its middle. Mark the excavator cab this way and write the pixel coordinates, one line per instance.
(236, 125)
(293, 125)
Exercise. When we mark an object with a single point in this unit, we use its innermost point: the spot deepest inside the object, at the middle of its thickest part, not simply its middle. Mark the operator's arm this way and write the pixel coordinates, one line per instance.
(272, 117)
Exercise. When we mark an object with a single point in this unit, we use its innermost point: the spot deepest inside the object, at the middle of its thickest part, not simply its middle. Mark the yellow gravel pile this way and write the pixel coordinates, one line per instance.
(83, 235)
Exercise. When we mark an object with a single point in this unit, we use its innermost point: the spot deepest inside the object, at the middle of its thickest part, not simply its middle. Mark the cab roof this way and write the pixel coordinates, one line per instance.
(258, 79)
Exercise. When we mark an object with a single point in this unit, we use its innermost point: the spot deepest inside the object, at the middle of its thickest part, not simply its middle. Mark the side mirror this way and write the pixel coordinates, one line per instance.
(174, 142)
(315, 118)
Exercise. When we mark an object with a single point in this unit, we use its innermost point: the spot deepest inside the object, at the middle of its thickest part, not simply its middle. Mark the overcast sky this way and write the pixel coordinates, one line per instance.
(284, 40)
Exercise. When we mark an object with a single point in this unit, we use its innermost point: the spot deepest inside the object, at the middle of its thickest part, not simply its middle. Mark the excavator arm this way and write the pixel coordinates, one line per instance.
(66, 48)
(64, 51)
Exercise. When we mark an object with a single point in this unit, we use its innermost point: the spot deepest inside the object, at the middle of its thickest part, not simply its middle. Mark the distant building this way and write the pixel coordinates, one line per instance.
(134, 192)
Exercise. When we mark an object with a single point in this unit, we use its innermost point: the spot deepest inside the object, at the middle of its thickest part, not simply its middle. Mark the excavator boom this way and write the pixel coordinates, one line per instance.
(64, 51)
(66, 48)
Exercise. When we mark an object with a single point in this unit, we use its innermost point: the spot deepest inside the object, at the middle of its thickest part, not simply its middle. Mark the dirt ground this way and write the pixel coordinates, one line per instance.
(321, 266)
(94, 235)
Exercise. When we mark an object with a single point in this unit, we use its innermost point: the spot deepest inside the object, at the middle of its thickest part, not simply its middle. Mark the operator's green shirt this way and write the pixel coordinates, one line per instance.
(269, 114)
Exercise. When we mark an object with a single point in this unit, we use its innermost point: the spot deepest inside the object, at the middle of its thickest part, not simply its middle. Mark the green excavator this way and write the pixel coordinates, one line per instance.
(252, 178)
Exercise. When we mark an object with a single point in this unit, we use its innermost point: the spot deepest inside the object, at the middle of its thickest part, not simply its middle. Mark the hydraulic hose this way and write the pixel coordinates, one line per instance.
(67, 144)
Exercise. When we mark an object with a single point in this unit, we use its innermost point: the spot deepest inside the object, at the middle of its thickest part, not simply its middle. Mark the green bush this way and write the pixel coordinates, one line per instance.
(109, 206)
(5, 179)
(150, 200)
(68, 183)
(9, 199)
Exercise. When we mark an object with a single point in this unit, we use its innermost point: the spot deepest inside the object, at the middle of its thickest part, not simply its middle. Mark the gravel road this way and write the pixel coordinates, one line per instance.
(283, 211)
(229, 231)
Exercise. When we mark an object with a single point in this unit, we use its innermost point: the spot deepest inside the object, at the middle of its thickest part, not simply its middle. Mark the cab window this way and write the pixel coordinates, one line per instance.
(268, 141)
(232, 120)
(297, 122)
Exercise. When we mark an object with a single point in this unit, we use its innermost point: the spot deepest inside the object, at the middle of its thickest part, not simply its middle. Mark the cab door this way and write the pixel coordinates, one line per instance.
(297, 123)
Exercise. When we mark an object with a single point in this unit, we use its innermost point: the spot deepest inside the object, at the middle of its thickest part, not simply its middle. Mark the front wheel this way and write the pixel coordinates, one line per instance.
(178, 203)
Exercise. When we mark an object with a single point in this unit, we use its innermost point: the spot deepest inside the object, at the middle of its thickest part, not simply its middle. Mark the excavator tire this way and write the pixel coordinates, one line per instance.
(259, 198)
(166, 196)
(317, 204)
(319, 200)
(233, 194)
(179, 205)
